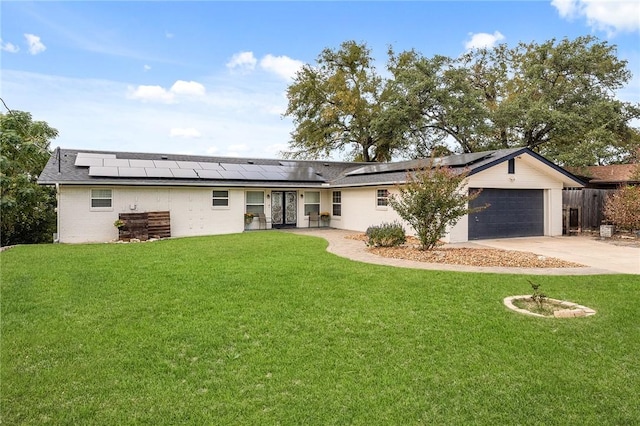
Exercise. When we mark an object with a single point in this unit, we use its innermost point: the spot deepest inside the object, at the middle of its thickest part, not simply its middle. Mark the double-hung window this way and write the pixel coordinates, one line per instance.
(101, 199)
(336, 203)
(311, 202)
(255, 202)
(382, 197)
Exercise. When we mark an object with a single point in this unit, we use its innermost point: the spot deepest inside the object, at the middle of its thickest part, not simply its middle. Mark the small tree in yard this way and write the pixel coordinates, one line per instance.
(431, 200)
(622, 208)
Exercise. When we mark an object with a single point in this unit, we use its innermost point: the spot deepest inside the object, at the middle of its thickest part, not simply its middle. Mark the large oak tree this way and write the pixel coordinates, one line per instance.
(558, 98)
(338, 105)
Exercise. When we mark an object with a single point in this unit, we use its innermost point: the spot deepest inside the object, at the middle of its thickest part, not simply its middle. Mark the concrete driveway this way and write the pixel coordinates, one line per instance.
(583, 250)
(599, 257)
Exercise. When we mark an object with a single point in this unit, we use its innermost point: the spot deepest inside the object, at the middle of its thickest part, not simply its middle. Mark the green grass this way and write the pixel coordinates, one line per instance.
(269, 328)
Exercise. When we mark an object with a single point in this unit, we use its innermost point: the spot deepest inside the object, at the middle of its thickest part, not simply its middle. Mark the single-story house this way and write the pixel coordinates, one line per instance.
(210, 195)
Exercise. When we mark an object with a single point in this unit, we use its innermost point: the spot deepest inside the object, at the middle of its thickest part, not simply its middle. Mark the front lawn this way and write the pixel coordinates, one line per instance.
(269, 328)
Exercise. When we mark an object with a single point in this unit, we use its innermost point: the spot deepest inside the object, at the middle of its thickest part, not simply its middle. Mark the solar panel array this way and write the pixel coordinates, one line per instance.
(450, 161)
(107, 165)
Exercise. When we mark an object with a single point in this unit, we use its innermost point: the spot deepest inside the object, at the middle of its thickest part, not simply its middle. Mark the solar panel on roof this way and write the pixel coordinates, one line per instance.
(231, 174)
(209, 174)
(131, 172)
(229, 166)
(188, 164)
(103, 171)
(210, 166)
(270, 168)
(116, 162)
(464, 159)
(184, 173)
(303, 174)
(165, 164)
(94, 155)
(274, 176)
(253, 175)
(141, 163)
(89, 161)
(158, 172)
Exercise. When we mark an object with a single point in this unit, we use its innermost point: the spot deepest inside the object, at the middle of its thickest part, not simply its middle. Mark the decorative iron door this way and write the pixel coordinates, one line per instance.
(284, 208)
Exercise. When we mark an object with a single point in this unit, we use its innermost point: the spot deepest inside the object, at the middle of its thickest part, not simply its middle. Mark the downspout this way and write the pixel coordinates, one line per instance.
(57, 239)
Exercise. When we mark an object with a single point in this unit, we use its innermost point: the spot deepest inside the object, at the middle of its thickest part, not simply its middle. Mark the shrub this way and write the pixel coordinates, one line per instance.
(386, 235)
(622, 207)
(432, 200)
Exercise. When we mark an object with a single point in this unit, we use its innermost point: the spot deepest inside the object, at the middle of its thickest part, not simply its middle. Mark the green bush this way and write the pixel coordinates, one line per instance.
(386, 235)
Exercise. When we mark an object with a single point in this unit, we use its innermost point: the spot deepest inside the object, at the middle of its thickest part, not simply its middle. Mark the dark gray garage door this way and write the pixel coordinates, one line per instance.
(512, 213)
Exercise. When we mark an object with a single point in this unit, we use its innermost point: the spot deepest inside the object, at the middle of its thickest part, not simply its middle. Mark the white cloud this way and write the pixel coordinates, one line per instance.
(186, 132)
(603, 15)
(189, 88)
(8, 47)
(150, 93)
(212, 150)
(283, 66)
(160, 94)
(483, 40)
(167, 34)
(34, 43)
(244, 61)
(147, 67)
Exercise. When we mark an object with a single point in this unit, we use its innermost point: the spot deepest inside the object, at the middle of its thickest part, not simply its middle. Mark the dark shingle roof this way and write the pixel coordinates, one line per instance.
(62, 169)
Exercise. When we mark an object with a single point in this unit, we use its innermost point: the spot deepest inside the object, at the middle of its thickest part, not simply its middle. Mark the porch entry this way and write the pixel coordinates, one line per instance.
(284, 208)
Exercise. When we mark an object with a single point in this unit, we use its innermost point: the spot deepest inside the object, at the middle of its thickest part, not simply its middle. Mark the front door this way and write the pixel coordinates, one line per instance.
(284, 208)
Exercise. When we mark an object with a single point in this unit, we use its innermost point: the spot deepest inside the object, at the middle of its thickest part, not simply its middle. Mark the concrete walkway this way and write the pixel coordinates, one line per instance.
(599, 257)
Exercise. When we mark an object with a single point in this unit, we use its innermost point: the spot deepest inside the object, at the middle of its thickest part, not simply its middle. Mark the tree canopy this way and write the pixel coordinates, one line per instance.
(338, 105)
(27, 209)
(558, 98)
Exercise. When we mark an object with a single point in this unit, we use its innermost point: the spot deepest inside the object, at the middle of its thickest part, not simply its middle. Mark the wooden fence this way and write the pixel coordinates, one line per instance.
(582, 209)
(143, 226)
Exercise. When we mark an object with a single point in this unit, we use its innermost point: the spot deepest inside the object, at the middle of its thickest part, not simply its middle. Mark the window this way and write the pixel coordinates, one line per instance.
(337, 203)
(220, 199)
(101, 198)
(512, 166)
(311, 202)
(255, 202)
(382, 197)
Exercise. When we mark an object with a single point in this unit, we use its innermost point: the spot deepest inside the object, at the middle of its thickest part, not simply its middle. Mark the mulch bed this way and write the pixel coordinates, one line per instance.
(467, 256)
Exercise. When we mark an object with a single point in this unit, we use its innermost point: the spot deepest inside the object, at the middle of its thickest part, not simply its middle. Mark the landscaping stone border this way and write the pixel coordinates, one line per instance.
(572, 310)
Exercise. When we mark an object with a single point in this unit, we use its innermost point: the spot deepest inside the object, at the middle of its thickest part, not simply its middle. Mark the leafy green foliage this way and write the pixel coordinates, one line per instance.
(339, 105)
(432, 200)
(555, 97)
(27, 209)
(386, 235)
(622, 207)
(537, 295)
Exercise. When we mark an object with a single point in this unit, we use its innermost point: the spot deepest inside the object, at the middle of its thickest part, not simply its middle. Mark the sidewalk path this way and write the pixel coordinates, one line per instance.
(600, 258)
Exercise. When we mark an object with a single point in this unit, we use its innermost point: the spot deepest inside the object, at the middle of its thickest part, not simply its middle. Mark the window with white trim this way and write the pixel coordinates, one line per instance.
(101, 199)
(255, 202)
(311, 202)
(220, 198)
(382, 197)
(336, 203)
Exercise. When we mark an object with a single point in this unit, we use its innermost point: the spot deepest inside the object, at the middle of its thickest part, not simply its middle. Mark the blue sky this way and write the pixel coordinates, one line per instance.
(209, 77)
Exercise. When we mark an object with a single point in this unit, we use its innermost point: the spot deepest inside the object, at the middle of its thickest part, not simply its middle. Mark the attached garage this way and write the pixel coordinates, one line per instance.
(510, 213)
